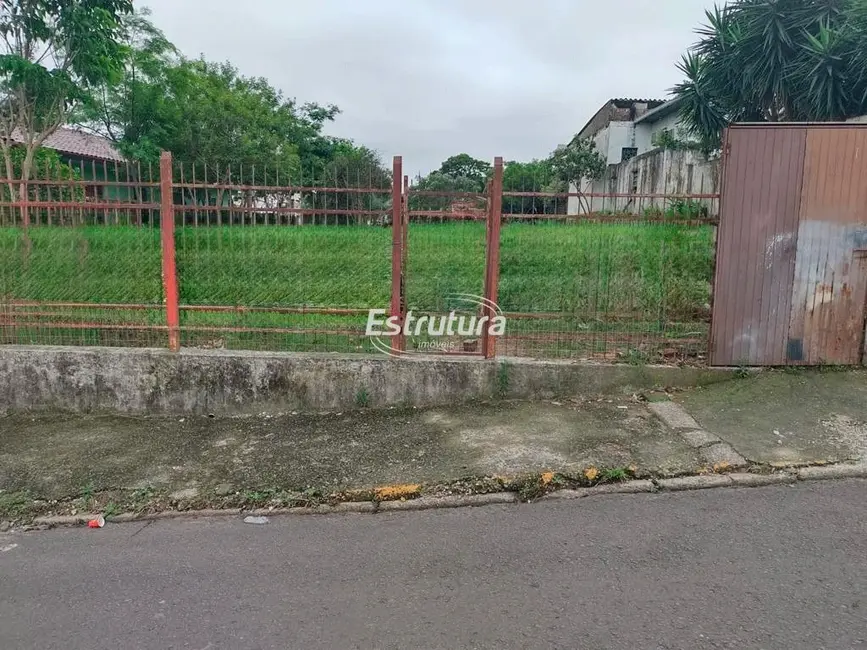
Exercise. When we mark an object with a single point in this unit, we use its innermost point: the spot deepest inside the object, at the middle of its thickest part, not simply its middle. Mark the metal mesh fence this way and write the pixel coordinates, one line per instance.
(272, 260)
(605, 277)
(81, 258)
(445, 268)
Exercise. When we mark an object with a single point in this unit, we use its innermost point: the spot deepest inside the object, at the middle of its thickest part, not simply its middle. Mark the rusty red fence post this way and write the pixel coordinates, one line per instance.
(167, 239)
(397, 240)
(405, 231)
(492, 256)
(404, 251)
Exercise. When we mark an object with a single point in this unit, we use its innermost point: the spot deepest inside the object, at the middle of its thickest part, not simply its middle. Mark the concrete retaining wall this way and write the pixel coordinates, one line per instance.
(221, 382)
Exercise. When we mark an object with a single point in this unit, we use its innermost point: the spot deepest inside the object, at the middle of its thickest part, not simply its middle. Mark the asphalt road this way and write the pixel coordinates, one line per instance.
(782, 567)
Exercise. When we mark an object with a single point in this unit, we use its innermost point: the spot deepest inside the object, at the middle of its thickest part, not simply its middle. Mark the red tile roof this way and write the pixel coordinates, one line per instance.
(73, 142)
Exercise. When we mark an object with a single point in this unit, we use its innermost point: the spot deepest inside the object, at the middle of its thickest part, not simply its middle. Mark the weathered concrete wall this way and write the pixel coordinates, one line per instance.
(660, 171)
(221, 382)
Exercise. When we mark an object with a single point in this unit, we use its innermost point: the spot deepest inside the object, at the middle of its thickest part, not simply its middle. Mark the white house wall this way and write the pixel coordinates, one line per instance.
(643, 140)
(620, 135)
(669, 122)
(601, 139)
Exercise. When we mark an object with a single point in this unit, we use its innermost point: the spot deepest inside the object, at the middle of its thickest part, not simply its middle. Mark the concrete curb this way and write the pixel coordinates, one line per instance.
(832, 471)
(760, 480)
(630, 487)
(694, 482)
(673, 415)
(456, 501)
(713, 450)
(679, 484)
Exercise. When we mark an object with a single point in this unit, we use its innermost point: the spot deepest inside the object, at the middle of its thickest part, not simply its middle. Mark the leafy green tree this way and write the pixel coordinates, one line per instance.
(576, 161)
(132, 111)
(224, 127)
(55, 53)
(350, 166)
(536, 176)
(773, 61)
(206, 113)
(459, 178)
(446, 188)
(465, 166)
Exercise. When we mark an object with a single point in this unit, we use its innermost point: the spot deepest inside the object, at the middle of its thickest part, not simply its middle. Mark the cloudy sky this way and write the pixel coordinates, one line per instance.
(430, 78)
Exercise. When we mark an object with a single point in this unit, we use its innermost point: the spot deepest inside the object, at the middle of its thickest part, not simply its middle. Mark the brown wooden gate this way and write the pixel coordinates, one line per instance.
(791, 279)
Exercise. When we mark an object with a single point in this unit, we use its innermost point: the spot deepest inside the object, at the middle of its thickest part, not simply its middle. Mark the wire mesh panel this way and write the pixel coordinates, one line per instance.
(275, 260)
(445, 270)
(80, 255)
(629, 281)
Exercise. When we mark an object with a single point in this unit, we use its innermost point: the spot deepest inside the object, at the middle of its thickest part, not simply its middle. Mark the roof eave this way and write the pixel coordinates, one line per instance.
(660, 112)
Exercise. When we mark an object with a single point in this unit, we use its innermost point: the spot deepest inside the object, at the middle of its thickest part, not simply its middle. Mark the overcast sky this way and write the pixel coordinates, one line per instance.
(430, 78)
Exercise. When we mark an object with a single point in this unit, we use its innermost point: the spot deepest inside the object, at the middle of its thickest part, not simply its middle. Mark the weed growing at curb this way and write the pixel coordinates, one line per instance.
(88, 491)
(15, 504)
(257, 497)
(743, 372)
(827, 369)
(362, 398)
(615, 475)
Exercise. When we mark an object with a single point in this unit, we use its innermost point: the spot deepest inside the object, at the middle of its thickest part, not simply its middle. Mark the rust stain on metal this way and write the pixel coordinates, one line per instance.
(830, 287)
(791, 286)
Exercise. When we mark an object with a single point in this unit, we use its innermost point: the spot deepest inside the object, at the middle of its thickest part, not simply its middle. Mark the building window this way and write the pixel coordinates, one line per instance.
(628, 153)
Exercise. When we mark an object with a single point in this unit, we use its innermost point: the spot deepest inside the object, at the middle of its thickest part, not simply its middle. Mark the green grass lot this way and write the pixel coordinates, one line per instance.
(607, 281)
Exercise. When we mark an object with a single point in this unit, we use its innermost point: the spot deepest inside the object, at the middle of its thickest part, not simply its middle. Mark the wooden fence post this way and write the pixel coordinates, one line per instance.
(492, 256)
(397, 244)
(167, 239)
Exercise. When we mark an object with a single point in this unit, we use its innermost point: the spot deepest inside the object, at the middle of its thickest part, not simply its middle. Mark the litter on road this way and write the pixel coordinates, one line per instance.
(256, 520)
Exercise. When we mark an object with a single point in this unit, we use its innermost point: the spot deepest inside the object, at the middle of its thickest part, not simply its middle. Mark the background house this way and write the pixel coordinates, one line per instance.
(627, 133)
(92, 157)
(613, 129)
(79, 148)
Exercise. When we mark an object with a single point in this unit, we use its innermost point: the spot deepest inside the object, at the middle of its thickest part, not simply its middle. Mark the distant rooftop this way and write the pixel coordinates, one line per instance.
(664, 110)
(616, 110)
(73, 142)
(626, 102)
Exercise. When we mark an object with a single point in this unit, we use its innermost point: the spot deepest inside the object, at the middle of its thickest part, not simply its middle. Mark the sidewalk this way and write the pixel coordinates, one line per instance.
(792, 417)
(70, 464)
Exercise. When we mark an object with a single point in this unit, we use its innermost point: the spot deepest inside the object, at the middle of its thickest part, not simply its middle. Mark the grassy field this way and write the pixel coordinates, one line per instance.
(599, 277)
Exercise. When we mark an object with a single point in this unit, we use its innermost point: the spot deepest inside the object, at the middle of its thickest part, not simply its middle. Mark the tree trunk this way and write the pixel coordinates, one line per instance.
(10, 176)
(26, 167)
